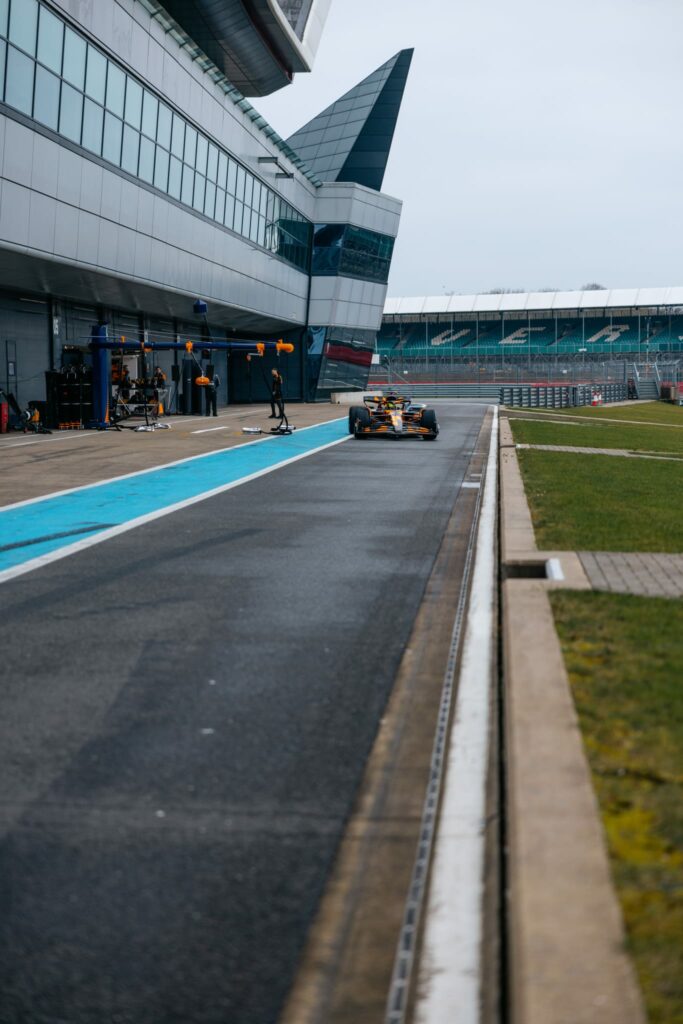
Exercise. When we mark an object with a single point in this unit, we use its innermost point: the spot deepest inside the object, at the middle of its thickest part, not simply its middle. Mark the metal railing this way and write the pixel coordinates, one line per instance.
(554, 397)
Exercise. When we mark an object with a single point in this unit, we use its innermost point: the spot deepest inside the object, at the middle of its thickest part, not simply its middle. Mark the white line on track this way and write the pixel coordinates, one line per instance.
(162, 465)
(114, 531)
(449, 986)
(209, 430)
(78, 435)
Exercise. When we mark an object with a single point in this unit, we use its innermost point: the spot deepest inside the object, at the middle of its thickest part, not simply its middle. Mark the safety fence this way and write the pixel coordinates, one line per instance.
(528, 396)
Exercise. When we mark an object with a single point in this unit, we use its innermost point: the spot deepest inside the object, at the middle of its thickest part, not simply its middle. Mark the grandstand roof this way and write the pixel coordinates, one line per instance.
(518, 301)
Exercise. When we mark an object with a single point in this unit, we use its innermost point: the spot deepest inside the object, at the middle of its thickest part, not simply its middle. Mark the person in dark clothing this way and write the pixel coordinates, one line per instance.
(276, 397)
(211, 390)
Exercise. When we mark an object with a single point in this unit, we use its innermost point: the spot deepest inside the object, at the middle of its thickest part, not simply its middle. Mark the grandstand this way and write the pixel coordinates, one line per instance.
(532, 329)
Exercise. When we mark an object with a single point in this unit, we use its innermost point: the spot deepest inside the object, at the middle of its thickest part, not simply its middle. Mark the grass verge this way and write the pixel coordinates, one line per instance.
(601, 503)
(624, 656)
(631, 436)
(649, 412)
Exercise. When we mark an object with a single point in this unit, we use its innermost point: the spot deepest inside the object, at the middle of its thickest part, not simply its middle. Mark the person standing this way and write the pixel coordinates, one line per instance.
(211, 390)
(276, 396)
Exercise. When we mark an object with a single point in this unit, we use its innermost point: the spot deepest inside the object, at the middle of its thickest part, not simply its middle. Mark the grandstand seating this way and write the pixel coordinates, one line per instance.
(598, 335)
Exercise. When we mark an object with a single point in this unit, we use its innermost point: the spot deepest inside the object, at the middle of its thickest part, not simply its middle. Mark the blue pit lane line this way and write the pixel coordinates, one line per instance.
(39, 531)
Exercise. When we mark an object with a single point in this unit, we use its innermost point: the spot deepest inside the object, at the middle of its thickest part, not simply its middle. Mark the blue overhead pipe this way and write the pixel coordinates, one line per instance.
(101, 344)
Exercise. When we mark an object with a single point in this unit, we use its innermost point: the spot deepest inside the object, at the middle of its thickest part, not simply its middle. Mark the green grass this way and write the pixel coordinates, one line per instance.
(653, 412)
(603, 503)
(624, 656)
(631, 436)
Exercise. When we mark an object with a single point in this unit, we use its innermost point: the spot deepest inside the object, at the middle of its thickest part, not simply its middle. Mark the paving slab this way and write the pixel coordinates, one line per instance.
(627, 572)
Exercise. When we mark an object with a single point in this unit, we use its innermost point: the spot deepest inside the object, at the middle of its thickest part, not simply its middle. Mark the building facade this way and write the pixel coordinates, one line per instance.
(136, 178)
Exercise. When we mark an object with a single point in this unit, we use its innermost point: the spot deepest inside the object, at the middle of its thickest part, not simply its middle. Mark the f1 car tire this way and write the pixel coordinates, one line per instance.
(428, 420)
(362, 420)
(353, 413)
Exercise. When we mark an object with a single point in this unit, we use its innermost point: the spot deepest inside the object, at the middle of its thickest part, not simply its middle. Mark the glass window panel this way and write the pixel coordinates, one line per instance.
(232, 176)
(111, 146)
(210, 199)
(19, 89)
(131, 148)
(175, 175)
(23, 25)
(74, 58)
(96, 75)
(256, 196)
(239, 187)
(187, 191)
(212, 164)
(237, 219)
(164, 126)
(50, 40)
(269, 207)
(190, 152)
(150, 107)
(146, 166)
(261, 236)
(220, 205)
(161, 169)
(264, 201)
(222, 170)
(46, 99)
(93, 119)
(116, 87)
(229, 216)
(3, 48)
(253, 231)
(199, 189)
(202, 150)
(178, 137)
(4, 8)
(133, 113)
(71, 113)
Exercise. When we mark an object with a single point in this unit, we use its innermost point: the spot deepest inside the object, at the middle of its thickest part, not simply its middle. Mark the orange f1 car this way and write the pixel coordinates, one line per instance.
(392, 416)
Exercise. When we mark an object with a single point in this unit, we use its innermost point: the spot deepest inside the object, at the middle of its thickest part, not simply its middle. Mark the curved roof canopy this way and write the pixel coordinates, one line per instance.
(508, 302)
(257, 44)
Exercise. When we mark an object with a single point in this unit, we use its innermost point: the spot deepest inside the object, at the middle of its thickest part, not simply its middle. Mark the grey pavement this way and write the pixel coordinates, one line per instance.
(185, 717)
(646, 574)
(621, 452)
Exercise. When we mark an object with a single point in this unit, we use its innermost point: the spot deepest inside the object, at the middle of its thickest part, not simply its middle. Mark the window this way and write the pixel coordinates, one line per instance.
(96, 75)
(50, 41)
(116, 85)
(46, 99)
(187, 191)
(71, 113)
(111, 146)
(146, 169)
(4, 8)
(161, 169)
(174, 177)
(164, 122)
(190, 152)
(232, 177)
(222, 170)
(199, 190)
(3, 49)
(19, 91)
(210, 199)
(133, 114)
(23, 25)
(150, 108)
(93, 117)
(74, 58)
(212, 164)
(220, 206)
(202, 150)
(178, 137)
(130, 150)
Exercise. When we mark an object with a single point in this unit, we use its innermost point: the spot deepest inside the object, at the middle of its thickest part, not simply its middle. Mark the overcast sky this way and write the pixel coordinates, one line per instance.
(540, 144)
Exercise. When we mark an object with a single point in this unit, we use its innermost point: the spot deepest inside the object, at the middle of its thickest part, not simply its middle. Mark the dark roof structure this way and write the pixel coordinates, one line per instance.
(257, 44)
(351, 139)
